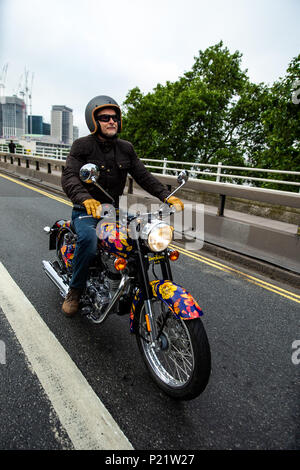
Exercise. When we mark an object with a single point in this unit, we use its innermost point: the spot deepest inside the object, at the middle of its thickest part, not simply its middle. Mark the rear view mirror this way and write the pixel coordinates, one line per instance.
(89, 173)
(182, 177)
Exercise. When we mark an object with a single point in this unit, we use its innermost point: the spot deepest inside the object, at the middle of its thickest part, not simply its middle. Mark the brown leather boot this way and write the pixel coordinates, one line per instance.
(71, 302)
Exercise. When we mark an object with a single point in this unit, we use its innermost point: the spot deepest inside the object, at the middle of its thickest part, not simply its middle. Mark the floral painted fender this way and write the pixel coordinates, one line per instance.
(181, 302)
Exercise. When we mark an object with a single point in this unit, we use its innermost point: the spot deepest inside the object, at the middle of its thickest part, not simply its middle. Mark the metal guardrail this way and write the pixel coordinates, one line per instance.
(41, 151)
(166, 167)
(269, 196)
(49, 169)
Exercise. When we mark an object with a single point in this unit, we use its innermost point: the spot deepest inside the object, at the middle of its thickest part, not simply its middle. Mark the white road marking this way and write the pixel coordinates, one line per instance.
(84, 417)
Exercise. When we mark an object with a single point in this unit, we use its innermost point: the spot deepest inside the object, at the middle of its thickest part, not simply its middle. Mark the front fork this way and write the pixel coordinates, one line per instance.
(149, 316)
(151, 325)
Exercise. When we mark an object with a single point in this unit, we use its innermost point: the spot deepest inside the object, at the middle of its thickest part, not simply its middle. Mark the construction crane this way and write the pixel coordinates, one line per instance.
(25, 91)
(3, 79)
(29, 91)
(19, 89)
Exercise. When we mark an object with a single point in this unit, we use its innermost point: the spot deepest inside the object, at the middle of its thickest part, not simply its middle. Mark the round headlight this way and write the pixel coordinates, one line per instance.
(159, 237)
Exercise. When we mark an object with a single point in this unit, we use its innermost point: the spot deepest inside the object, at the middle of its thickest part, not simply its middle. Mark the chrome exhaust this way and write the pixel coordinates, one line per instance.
(55, 278)
(123, 284)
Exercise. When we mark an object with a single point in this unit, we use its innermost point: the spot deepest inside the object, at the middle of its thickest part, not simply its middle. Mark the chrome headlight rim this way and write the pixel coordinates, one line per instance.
(150, 235)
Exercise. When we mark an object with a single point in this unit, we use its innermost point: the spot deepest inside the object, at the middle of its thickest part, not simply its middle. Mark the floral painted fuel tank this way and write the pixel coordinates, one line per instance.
(113, 238)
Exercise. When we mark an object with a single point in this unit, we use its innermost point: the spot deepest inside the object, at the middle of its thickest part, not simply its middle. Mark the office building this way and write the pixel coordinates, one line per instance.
(35, 125)
(62, 124)
(13, 119)
(46, 129)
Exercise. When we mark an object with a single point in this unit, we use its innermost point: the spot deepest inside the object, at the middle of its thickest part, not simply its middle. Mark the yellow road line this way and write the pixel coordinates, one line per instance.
(276, 291)
(44, 193)
(196, 256)
(203, 260)
(217, 264)
(266, 285)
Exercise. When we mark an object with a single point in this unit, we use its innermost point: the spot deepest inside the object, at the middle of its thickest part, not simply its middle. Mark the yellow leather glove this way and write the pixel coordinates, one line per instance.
(176, 202)
(93, 207)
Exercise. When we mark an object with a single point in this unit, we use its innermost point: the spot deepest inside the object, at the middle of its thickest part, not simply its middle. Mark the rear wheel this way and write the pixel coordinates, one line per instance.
(181, 365)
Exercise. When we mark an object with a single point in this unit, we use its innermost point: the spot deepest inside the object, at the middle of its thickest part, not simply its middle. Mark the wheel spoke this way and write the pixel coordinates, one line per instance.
(174, 363)
(178, 368)
(185, 359)
(182, 361)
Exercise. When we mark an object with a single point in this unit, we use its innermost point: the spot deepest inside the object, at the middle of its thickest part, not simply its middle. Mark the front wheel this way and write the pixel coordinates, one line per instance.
(181, 364)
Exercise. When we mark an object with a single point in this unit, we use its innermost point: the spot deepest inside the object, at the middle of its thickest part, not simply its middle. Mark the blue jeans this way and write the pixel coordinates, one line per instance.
(86, 247)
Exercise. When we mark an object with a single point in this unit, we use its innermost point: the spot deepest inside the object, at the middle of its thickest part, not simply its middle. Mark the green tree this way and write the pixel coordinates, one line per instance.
(214, 113)
(187, 120)
(278, 129)
(281, 122)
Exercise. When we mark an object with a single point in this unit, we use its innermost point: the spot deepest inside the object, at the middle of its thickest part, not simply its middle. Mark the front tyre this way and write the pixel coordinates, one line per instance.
(181, 364)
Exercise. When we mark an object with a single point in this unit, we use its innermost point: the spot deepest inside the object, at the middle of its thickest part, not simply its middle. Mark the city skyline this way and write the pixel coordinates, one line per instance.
(15, 122)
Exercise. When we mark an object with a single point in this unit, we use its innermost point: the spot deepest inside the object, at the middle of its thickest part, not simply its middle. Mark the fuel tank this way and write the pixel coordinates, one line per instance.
(113, 238)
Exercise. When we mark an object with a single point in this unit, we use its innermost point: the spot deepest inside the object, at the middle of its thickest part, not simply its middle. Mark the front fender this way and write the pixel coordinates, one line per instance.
(178, 300)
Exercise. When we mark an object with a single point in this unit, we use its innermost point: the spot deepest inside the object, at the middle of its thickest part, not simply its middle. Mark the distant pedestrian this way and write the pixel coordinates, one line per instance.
(12, 147)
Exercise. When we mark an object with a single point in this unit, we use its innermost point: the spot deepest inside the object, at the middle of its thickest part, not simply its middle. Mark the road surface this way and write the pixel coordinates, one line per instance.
(251, 401)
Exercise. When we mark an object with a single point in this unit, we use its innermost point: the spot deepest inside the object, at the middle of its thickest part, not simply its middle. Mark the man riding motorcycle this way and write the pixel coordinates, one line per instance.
(115, 158)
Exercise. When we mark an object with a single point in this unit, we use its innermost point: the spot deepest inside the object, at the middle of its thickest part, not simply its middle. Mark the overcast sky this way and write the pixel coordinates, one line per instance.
(78, 49)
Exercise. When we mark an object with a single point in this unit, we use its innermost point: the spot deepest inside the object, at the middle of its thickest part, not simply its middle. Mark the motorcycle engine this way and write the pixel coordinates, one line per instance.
(100, 289)
(107, 261)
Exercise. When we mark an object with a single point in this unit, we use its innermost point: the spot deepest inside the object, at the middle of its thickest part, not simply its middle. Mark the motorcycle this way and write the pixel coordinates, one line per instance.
(164, 317)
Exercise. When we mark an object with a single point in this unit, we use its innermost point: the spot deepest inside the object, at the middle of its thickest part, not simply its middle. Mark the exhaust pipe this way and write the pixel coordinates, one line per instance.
(123, 284)
(55, 278)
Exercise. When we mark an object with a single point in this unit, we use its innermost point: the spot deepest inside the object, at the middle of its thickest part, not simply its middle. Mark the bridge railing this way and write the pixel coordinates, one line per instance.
(39, 166)
(41, 151)
(217, 172)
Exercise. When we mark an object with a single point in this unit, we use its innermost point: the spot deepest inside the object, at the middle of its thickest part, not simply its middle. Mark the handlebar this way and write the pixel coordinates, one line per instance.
(164, 210)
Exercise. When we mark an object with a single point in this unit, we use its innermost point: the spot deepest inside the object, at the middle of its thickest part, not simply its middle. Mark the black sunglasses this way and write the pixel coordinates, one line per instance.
(107, 117)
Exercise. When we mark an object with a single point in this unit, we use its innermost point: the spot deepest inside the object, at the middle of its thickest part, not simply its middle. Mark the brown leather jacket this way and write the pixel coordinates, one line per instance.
(114, 160)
